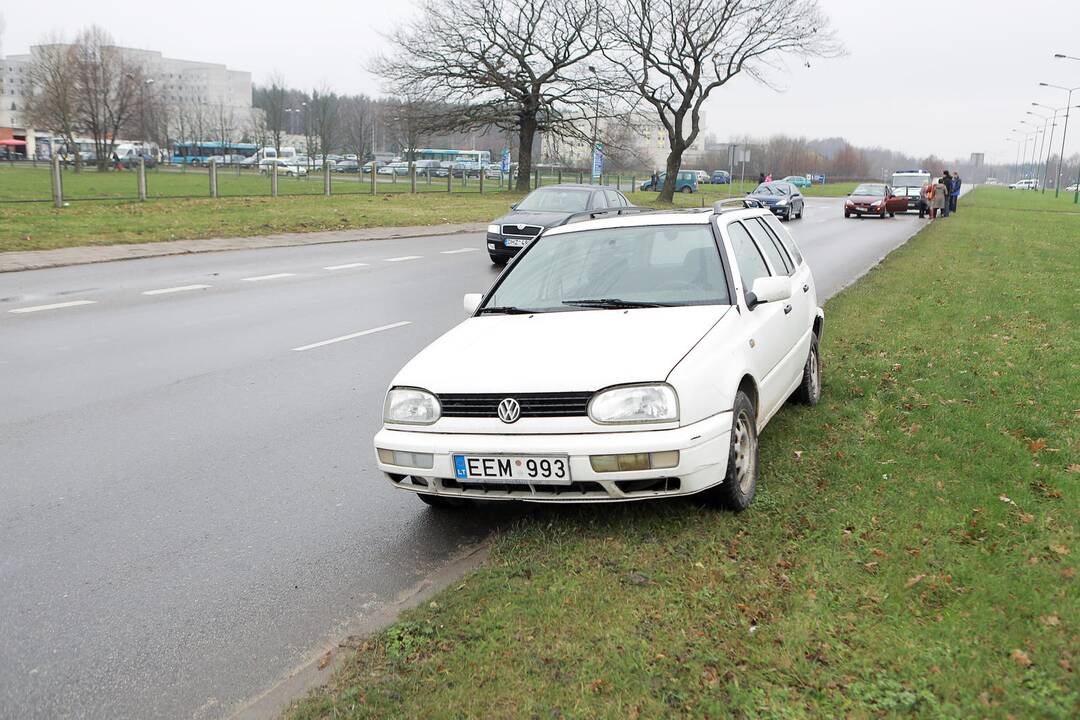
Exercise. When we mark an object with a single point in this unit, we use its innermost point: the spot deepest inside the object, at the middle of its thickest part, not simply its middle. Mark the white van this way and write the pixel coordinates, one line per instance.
(909, 184)
(1025, 184)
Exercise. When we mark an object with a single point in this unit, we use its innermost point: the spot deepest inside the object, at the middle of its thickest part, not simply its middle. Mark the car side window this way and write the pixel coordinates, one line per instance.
(751, 263)
(779, 231)
(597, 201)
(770, 246)
(612, 198)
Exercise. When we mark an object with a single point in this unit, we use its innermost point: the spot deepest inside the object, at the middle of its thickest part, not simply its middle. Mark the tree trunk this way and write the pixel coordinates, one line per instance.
(674, 162)
(526, 134)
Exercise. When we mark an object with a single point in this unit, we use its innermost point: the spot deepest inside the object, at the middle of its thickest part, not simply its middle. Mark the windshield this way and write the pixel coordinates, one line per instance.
(865, 189)
(910, 180)
(556, 200)
(771, 189)
(649, 266)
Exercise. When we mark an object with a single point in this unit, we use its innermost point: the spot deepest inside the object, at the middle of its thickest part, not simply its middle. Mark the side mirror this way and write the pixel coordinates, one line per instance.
(471, 301)
(514, 206)
(769, 289)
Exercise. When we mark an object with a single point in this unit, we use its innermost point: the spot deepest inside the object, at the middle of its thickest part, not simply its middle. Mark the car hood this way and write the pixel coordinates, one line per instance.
(870, 199)
(579, 351)
(768, 199)
(543, 219)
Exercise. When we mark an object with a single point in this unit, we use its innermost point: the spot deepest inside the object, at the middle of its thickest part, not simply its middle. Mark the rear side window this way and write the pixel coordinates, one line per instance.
(613, 199)
(779, 231)
(770, 246)
(751, 263)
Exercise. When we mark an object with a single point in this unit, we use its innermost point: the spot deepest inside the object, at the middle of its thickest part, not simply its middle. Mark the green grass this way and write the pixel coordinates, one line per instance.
(912, 551)
(179, 206)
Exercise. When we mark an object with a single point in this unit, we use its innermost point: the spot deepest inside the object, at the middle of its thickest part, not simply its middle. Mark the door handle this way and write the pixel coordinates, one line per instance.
(806, 288)
(787, 308)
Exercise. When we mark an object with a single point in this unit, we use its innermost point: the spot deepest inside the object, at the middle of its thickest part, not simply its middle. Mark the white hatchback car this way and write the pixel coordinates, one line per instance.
(620, 358)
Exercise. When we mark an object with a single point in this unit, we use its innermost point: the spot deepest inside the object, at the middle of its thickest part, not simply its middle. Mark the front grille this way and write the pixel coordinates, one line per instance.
(522, 230)
(574, 488)
(533, 405)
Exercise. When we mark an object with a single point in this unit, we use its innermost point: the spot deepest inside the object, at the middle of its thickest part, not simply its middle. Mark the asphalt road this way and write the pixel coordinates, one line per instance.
(188, 502)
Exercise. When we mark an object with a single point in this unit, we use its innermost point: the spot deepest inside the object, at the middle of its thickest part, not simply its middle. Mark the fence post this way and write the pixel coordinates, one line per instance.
(450, 180)
(633, 183)
(559, 176)
(142, 179)
(273, 179)
(57, 183)
(374, 179)
(536, 178)
(580, 177)
(483, 172)
(412, 177)
(327, 190)
(213, 179)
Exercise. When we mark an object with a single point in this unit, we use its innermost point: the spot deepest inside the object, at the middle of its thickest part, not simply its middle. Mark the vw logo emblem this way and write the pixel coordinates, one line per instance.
(509, 410)
(520, 227)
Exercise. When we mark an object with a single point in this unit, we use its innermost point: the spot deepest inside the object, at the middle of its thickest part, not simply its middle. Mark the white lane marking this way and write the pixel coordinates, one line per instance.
(404, 257)
(180, 288)
(459, 250)
(53, 306)
(275, 276)
(350, 336)
(346, 266)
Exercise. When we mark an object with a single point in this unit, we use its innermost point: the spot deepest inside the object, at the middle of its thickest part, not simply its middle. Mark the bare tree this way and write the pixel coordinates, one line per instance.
(53, 105)
(224, 122)
(409, 121)
(357, 118)
(512, 64)
(325, 119)
(675, 53)
(274, 109)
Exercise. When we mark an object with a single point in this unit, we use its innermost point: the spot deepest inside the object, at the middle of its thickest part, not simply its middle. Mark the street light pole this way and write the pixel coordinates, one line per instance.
(596, 124)
(1042, 144)
(1065, 130)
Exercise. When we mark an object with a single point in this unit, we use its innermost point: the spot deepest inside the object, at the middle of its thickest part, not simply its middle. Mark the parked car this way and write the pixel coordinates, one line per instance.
(702, 176)
(649, 352)
(285, 167)
(874, 199)
(720, 177)
(394, 168)
(797, 180)
(781, 197)
(250, 161)
(1026, 184)
(1072, 188)
(347, 166)
(543, 208)
(372, 163)
(686, 182)
(493, 170)
(132, 161)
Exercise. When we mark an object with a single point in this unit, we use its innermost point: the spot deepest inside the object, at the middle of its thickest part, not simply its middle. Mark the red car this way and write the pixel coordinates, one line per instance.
(874, 199)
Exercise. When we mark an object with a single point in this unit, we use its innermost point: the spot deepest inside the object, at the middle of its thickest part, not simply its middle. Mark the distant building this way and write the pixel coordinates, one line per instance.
(185, 86)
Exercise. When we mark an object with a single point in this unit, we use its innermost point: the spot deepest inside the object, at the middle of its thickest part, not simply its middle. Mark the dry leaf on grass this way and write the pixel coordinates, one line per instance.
(324, 660)
(912, 582)
(1020, 658)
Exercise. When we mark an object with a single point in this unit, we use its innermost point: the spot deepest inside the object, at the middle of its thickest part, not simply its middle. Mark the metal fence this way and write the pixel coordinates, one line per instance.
(61, 184)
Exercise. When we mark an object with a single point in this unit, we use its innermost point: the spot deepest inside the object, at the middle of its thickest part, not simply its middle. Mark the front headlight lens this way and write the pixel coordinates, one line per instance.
(635, 404)
(494, 229)
(411, 406)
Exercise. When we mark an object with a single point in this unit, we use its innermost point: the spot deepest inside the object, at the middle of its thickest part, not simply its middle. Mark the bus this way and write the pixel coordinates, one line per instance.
(473, 157)
(199, 153)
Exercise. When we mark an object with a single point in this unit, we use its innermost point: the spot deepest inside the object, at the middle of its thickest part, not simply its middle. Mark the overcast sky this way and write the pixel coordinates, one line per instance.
(948, 78)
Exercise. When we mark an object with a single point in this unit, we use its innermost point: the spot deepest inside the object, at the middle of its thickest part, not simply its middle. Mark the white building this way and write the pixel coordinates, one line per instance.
(183, 85)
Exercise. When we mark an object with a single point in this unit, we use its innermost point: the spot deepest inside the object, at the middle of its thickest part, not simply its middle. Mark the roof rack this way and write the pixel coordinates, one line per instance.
(609, 212)
(730, 204)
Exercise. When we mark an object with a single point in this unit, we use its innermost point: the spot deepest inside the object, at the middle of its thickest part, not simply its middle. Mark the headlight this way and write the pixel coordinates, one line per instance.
(781, 202)
(635, 404)
(494, 229)
(411, 406)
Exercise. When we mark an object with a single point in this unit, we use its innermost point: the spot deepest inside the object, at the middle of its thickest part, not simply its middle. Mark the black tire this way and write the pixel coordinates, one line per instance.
(737, 490)
(687, 189)
(802, 209)
(847, 214)
(809, 390)
(496, 260)
(892, 214)
(440, 502)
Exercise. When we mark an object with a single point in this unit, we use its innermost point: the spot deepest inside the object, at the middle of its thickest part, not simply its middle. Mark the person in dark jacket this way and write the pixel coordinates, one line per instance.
(955, 194)
(761, 178)
(946, 180)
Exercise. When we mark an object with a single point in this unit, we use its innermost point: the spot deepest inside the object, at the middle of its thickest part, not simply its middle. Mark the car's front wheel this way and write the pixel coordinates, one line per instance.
(496, 260)
(440, 502)
(737, 490)
(687, 189)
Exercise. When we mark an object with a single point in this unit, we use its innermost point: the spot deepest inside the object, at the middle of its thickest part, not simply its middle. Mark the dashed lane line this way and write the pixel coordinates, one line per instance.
(459, 250)
(169, 291)
(346, 266)
(259, 278)
(53, 306)
(404, 257)
(350, 336)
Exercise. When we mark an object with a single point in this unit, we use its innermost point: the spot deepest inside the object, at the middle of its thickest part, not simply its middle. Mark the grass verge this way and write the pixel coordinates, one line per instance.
(300, 207)
(912, 550)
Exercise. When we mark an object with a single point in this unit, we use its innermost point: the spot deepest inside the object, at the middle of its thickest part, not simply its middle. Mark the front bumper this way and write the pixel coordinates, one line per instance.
(703, 455)
(497, 247)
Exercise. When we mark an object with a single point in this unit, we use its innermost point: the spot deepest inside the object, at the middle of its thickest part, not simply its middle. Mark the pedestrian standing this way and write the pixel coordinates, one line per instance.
(937, 194)
(925, 193)
(955, 194)
(761, 178)
(768, 178)
(946, 180)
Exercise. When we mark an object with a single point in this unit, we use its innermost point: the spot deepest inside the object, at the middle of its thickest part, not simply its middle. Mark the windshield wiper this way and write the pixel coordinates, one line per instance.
(506, 310)
(614, 303)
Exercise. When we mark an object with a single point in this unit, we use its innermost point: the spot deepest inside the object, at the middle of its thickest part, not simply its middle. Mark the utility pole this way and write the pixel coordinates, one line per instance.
(1065, 130)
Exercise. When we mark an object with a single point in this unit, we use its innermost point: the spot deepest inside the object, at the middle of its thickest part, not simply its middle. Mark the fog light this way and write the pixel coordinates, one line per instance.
(634, 461)
(424, 461)
(491, 246)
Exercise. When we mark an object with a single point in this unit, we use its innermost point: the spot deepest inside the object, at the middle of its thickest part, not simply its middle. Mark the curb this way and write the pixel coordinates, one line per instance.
(61, 257)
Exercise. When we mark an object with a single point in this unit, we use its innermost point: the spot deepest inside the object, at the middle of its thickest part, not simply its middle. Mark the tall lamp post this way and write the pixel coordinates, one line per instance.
(596, 122)
(1065, 130)
(1042, 144)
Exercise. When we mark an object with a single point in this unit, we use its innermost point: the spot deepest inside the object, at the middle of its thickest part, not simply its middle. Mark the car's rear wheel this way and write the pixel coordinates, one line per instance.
(809, 390)
(438, 501)
(687, 189)
(737, 490)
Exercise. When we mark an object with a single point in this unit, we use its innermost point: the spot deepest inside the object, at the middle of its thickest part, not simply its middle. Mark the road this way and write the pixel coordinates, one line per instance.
(188, 502)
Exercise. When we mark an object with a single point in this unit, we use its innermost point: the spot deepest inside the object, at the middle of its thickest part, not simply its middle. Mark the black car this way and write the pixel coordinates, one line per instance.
(783, 198)
(543, 208)
(347, 166)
